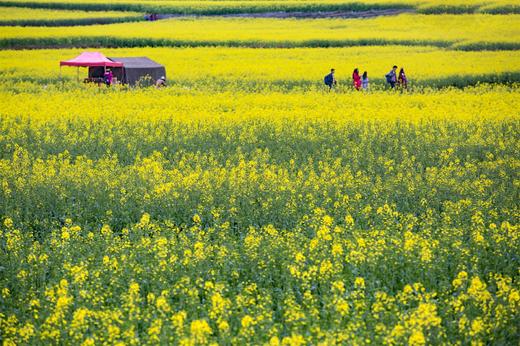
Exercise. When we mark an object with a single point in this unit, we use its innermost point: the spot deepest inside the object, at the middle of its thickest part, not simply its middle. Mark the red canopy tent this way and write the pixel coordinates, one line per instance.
(89, 59)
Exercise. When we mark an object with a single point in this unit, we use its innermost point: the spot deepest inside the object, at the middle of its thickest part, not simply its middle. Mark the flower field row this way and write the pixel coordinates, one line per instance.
(473, 32)
(44, 17)
(279, 69)
(161, 216)
(52, 154)
(215, 7)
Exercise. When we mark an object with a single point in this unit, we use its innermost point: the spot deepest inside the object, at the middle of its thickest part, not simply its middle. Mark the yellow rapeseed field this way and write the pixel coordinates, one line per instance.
(245, 203)
(18, 13)
(446, 30)
(293, 218)
(283, 69)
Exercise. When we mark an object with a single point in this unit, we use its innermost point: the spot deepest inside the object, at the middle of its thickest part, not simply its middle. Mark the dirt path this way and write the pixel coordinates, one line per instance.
(307, 15)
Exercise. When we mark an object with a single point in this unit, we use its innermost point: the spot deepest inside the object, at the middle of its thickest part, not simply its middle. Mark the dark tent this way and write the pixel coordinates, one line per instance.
(139, 70)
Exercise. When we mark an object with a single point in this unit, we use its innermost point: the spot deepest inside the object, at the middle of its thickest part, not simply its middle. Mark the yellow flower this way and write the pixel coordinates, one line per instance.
(359, 282)
(514, 297)
(274, 341)
(337, 250)
(294, 340)
(155, 330)
(247, 321)
(8, 223)
(5, 292)
(200, 330)
(477, 326)
(65, 235)
(338, 286)
(342, 307)
(223, 326)
(460, 279)
(88, 342)
(162, 304)
(416, 339)
(134, 288)
(145, 219)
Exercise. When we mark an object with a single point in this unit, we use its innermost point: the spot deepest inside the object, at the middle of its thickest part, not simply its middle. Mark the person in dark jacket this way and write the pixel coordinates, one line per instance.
(330, 79)
(391, 77)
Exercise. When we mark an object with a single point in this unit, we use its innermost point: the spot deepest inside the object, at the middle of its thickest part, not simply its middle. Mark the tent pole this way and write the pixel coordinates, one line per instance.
(61, 77)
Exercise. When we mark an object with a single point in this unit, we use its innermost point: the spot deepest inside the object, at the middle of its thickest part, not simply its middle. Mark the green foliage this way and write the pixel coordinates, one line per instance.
(70, 22)
(107, 42)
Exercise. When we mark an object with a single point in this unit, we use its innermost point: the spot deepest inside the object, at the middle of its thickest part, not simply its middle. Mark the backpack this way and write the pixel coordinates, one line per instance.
(328, 79)
(388, 77)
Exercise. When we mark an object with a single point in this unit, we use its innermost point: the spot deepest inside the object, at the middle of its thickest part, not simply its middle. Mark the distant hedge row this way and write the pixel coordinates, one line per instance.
(252, 7)
(468, 9)
(70, 21)
(113, 42)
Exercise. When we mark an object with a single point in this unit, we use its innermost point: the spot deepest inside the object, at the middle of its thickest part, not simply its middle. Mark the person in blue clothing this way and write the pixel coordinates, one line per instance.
(364, 81)
(330, 80)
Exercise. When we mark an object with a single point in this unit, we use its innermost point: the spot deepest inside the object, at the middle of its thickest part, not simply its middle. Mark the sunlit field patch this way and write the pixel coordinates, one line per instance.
(159, 216)
(475, 32)
(217, 69)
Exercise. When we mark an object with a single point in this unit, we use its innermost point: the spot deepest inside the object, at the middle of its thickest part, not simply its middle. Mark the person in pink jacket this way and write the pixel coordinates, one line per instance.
(356, 78)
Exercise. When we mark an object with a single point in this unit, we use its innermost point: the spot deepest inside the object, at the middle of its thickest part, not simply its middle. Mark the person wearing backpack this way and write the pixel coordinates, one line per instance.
(391, 77)
(330, 80)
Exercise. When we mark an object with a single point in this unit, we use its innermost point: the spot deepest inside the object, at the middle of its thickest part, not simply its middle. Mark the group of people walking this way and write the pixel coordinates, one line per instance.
(361, 82)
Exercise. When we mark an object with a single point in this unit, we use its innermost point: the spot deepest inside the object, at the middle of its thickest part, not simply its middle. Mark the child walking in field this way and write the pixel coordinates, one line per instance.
(402, 80)
(364, 81)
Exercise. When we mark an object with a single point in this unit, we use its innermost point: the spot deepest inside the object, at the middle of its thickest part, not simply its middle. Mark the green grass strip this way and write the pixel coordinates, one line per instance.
(71, 21)
(112, 42)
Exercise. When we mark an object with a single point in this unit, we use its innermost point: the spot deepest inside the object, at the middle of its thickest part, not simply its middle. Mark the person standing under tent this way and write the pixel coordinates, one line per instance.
(108, 76)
